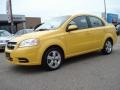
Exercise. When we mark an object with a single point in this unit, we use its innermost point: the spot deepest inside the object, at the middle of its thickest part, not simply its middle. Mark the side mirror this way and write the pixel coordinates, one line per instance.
(72, 27)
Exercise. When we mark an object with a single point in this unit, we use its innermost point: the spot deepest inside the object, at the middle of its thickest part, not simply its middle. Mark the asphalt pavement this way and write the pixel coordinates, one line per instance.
(86, 72)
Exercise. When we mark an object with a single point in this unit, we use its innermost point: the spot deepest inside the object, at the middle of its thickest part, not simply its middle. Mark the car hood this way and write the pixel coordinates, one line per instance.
(38, 34)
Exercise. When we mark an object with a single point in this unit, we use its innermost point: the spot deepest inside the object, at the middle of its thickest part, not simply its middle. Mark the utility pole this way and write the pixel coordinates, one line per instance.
(10, 15)
(105, 12)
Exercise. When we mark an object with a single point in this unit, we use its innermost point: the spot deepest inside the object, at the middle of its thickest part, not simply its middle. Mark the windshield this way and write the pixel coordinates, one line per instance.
(53, 23)
(19, 33)
(4, 34)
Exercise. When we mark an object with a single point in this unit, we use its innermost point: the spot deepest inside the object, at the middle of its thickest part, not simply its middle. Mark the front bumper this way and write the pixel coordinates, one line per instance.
(24, 56)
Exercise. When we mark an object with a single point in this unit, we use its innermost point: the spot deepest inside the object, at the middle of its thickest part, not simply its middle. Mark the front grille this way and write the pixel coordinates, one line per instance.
(11, 45)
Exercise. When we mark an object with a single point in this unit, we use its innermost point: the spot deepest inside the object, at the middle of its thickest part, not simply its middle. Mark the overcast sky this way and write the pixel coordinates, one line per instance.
(52, 8)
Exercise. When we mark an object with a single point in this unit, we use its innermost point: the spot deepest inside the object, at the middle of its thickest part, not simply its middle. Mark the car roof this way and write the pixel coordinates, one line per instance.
(75, 15)
(82, 14)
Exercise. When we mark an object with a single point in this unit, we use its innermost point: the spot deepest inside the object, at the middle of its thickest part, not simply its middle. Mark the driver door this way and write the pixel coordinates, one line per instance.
(79, 40)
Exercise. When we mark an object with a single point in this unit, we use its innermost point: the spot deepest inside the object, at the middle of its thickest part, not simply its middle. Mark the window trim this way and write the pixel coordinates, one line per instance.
(78, 28)
(89, 22)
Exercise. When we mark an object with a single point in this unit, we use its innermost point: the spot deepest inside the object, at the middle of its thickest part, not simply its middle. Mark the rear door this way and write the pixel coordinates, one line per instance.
(96, 31)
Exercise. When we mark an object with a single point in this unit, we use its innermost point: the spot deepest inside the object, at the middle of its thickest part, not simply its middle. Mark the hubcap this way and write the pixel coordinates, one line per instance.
(54, 59)
(108, 47)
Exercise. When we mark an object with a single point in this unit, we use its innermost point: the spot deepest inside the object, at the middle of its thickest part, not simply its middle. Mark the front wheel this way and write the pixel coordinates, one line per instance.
(108, 46)
(52, 58)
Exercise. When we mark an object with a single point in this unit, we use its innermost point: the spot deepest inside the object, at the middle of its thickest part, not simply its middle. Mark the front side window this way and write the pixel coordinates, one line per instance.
(80, 21)
(95, 22)
(53, 23)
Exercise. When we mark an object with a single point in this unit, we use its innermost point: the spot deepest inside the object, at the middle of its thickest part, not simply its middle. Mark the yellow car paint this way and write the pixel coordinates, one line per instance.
(72, 43)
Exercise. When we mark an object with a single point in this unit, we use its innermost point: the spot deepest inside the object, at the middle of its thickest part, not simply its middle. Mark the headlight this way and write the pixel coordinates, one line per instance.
(28, 43)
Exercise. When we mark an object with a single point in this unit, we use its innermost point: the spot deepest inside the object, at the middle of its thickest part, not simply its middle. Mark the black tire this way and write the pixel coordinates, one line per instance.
(108, 46)
(52, 56)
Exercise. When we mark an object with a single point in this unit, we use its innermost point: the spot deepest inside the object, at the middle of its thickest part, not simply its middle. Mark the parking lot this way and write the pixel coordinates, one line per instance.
(86, 72)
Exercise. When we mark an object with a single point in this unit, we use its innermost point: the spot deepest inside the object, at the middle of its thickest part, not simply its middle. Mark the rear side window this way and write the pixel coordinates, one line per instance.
(95, 22)
(80, 21)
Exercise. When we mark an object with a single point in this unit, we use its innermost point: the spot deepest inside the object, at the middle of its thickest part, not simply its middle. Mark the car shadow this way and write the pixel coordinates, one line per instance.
(27, 69)
(82, 58)
(39, 69)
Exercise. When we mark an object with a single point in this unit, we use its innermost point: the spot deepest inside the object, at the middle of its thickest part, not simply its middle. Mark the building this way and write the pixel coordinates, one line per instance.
(111, 17)
(20, 22)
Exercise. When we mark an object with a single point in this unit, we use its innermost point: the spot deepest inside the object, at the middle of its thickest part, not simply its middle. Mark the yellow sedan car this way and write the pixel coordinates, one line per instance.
(61, 38)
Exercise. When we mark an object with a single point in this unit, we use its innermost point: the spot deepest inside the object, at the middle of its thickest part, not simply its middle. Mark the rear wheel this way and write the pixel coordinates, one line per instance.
(108, 46)
(52, 58)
